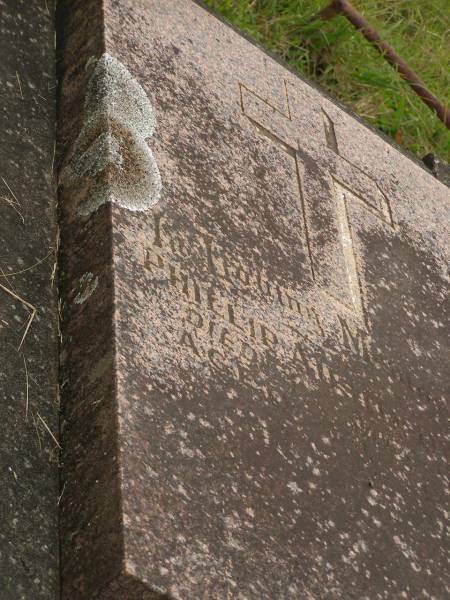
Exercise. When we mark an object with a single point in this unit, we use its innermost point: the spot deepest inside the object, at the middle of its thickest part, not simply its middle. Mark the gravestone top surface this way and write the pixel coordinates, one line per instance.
(254, 315)
(29, 481)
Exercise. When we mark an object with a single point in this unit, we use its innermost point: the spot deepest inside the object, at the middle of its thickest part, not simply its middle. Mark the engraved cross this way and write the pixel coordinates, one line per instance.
(328, 185)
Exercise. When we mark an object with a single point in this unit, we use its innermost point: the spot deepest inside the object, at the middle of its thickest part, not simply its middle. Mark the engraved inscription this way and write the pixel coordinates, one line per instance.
(235, 335)
(272, 317)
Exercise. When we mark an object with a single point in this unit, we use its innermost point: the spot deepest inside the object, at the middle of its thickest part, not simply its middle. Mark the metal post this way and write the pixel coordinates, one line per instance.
(346, 9)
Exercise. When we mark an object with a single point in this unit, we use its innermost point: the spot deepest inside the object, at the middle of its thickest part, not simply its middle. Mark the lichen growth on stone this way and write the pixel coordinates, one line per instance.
(88, 285)
(111, 156)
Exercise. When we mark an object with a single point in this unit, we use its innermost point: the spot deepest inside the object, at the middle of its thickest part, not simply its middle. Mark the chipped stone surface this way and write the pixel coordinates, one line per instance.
(28, 376)
(254, 397)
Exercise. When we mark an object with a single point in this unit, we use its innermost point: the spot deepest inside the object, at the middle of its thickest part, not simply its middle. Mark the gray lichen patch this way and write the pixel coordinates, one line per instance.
(111, 156)
(87, 286)
(103, 151)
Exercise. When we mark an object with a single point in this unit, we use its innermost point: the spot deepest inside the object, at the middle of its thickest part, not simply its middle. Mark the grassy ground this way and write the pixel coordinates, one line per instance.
(335, 55)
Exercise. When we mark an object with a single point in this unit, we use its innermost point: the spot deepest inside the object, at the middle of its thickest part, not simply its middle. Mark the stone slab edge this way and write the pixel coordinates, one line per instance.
(91, 536)
(91, 539)
(29, 412)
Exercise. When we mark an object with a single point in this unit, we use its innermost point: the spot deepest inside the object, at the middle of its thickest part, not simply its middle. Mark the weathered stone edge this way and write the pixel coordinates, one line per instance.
(91, 520)
(91, 537)
(29, 403)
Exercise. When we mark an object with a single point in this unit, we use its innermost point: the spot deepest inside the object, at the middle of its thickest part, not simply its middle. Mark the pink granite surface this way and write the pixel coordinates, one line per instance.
(254, 361)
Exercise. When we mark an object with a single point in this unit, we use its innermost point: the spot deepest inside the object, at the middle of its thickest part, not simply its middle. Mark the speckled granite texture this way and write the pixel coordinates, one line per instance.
(29, 486)
(254, 368)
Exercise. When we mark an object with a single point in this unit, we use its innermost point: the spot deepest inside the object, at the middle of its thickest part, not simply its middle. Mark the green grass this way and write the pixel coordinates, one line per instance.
(336, 56)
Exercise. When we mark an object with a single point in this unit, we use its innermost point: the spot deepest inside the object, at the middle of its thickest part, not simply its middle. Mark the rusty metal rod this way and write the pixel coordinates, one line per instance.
(342, 7)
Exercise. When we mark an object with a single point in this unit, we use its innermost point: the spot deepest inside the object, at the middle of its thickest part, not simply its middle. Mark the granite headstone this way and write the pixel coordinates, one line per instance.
(253, 287)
